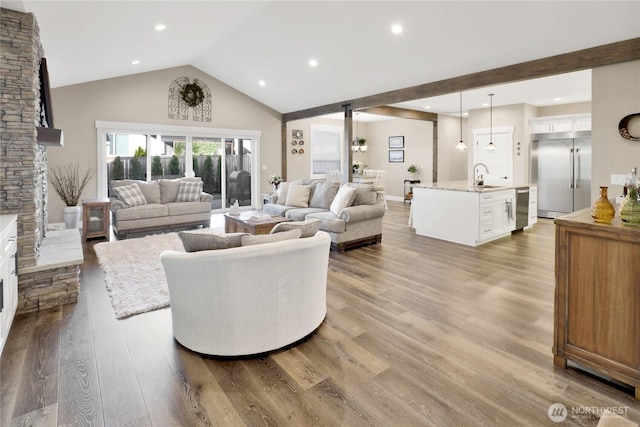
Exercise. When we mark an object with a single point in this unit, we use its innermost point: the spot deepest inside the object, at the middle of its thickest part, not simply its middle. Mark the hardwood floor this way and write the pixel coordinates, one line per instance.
(419, 332)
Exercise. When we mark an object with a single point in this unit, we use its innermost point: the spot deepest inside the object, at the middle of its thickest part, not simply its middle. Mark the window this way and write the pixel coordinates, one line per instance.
(326, 149)
(225, 159)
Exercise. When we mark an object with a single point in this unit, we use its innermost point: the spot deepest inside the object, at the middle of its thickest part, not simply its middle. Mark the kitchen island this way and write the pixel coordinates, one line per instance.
(459, 212)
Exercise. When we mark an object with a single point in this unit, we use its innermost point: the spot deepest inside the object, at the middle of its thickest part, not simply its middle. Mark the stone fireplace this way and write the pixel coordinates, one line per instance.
(23, 166)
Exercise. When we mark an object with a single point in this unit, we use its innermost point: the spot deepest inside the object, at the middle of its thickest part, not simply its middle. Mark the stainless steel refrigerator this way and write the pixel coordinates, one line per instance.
(561, 167)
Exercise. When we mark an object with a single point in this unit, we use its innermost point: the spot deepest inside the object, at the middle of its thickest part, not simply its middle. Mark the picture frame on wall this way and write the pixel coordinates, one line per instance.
(396, 142)
(396, 156)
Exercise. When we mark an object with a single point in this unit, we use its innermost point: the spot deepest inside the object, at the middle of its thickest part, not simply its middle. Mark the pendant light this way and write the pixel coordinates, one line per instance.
(461, 145)
(355, 145)
(491, 146)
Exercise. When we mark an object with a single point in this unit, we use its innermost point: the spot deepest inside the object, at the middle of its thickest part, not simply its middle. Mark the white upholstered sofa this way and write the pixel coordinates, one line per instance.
(250, 299)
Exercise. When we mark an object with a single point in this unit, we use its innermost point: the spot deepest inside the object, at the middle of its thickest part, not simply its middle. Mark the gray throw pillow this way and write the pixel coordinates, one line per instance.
(189, 191)
(323, 194)
(194, 241)
(308, 228)
(150, 190)
(258, 239)
(130, 195)
(169, 188)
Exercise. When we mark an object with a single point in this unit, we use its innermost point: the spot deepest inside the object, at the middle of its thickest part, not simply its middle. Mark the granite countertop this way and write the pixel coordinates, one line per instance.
(462, 185)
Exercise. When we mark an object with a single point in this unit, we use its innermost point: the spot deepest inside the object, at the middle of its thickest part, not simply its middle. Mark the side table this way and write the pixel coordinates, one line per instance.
(96, 218)
(408, 189)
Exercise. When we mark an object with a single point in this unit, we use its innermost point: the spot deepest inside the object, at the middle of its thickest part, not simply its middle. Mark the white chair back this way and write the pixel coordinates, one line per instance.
(333, 175)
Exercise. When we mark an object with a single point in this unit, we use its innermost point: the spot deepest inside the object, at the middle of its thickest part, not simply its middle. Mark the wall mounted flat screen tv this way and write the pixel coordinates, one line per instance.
(46, 115)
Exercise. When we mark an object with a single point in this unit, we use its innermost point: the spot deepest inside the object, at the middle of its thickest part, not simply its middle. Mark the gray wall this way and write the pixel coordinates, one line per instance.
(142, 98)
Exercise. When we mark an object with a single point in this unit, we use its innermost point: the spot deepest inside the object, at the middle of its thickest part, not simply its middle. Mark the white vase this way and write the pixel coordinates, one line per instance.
(71, 216)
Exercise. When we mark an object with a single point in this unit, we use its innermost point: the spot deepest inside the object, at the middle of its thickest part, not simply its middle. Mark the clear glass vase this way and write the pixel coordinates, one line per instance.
(602, 210)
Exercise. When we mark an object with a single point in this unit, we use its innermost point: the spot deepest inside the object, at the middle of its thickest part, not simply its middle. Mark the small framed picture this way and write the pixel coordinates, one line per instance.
(396, 142)
(396, 156)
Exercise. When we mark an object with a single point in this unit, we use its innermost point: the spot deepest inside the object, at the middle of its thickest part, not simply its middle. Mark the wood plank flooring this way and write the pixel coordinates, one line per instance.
(419, 332)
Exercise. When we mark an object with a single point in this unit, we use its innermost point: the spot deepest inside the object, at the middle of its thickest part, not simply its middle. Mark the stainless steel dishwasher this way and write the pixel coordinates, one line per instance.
(522, 207)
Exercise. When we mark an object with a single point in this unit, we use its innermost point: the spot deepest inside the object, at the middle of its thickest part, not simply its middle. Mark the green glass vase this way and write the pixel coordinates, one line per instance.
(630, 208)
(602, 210)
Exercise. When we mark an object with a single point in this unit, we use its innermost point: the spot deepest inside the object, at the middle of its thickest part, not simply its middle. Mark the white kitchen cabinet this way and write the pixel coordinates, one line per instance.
(567, 123)
(8, 275)
(504, 220)
(461, 214)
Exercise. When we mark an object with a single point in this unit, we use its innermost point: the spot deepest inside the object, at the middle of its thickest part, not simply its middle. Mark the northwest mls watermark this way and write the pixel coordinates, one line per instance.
(558, 412)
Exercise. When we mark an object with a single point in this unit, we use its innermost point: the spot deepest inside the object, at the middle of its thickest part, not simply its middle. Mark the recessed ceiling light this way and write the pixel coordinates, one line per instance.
(557, 99)
(396, 29)
(262, 83)
(465, 113)
(135, 62)
(313, 62)
(485, 104)
(160, 27)
(426, 107)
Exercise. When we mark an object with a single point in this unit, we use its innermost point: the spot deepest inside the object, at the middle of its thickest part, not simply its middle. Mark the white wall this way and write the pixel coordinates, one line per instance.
(299, 165)
(418, 150)
(142, 98)
(563, 109)
(615, 94)
(452, 164)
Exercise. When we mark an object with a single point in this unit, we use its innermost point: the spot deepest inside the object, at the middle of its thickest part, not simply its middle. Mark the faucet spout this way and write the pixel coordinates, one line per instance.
(476, 180)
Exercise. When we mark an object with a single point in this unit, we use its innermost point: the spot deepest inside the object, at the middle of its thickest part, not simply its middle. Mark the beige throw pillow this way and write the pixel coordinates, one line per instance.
(205, 240)
(308, 228)
(298, 196)
(283, 189)
(343, 199)
(259, 239)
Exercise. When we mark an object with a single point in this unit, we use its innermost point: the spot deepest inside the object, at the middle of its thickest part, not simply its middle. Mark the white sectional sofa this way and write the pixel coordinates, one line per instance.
(357, 223)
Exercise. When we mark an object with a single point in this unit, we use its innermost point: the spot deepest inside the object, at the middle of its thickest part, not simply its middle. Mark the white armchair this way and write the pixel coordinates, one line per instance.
(250, 299)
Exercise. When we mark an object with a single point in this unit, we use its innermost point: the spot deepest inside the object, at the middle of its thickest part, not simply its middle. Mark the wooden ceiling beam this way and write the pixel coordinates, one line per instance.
(404, 113)
(612, 53)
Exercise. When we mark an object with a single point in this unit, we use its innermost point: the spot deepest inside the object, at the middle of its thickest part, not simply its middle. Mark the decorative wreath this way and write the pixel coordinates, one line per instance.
(192, 94)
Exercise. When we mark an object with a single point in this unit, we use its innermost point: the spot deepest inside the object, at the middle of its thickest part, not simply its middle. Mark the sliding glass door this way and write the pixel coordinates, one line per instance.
(224, 160)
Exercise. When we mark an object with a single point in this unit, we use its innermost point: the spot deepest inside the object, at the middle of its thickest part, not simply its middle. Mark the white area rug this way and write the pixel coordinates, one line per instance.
(133, 272)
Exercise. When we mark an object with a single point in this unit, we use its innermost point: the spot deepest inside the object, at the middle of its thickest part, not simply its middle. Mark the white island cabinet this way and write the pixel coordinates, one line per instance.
(459, 213)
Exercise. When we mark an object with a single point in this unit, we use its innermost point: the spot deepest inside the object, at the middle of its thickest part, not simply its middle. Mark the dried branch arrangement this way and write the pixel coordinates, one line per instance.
(68, 184)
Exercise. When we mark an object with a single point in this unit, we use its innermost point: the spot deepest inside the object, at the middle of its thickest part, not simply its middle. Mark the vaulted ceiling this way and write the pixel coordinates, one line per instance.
(243, 43)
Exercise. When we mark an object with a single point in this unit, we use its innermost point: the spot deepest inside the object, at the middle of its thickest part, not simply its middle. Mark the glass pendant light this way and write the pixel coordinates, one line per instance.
(491, 146)
(461, 145)
(355, 145)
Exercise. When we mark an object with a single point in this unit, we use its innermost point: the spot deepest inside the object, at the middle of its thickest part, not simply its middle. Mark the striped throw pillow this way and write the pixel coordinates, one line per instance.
(189, 191)
(130, 195)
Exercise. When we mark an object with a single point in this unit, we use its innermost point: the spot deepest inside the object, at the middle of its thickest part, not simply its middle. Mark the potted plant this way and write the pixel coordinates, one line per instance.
(275, 180)
(413, 170)
(69, 185)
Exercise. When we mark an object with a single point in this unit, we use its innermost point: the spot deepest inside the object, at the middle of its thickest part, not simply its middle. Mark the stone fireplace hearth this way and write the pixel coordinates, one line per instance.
(23, 168)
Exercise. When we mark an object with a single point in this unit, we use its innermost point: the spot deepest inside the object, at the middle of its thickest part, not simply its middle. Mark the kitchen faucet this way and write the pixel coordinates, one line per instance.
(478, 181)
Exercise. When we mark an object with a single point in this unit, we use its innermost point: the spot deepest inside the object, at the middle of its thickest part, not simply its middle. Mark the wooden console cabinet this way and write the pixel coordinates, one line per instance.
(95, 218)
(597, 297)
